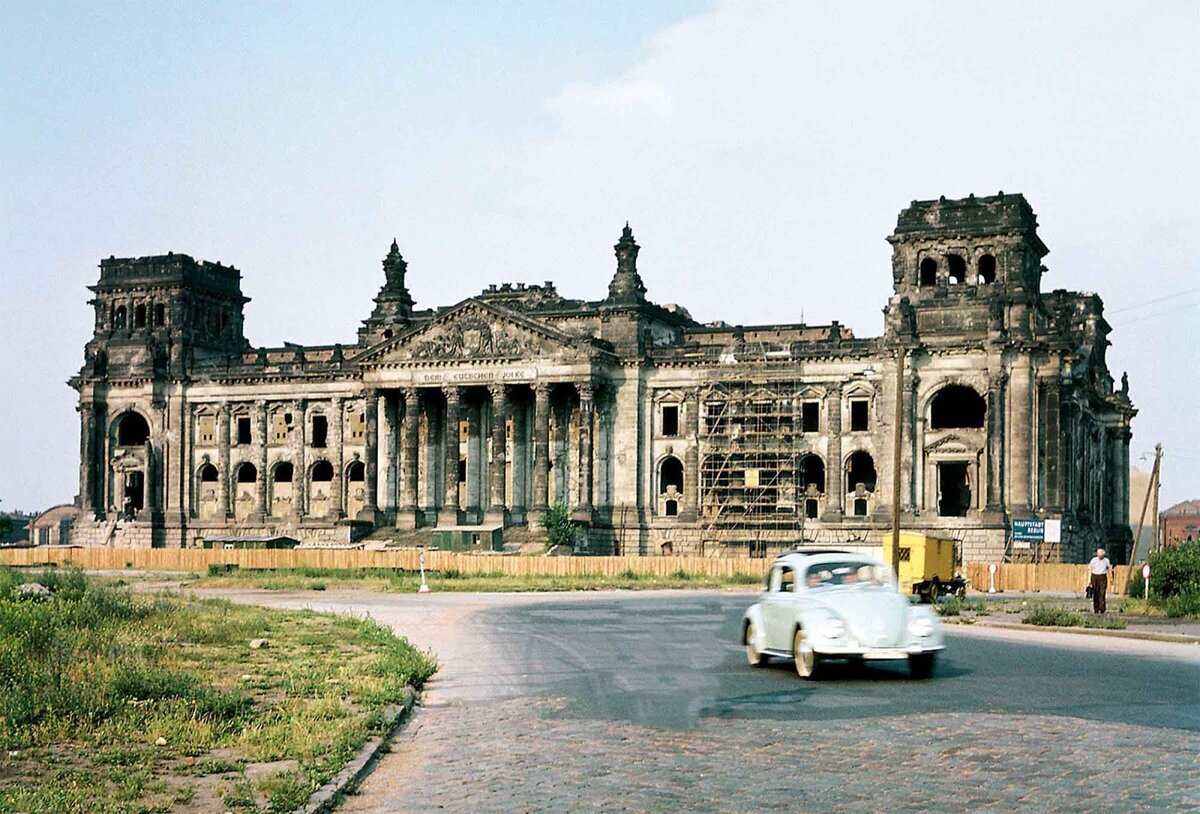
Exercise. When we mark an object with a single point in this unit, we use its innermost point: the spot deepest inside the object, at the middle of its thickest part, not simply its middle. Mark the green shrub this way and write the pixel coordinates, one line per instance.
(560, 529)
(1048, 616)
(1182, 605)
(1136, 587)
(1175, 570)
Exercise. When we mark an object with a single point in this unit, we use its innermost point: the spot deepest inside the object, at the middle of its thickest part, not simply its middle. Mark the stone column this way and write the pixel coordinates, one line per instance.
(835, 477)
(1052, 454)
(406, 517)
(691, 456)
(448, 516)
(477, 498)
(300, 486)
(995, 442)
(1022, 454)
(225, 482)
(541, 450)
(391, 417)
(587, 412)
(371, 456)
(262, 510)
(495, 513)
(87, 463)
(337, 453)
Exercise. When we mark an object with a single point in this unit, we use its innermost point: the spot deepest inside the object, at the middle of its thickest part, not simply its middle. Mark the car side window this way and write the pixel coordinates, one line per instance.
(787, 580)
(773, 580)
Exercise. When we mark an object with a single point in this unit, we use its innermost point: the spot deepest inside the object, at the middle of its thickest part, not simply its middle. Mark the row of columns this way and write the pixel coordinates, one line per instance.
(405, 408)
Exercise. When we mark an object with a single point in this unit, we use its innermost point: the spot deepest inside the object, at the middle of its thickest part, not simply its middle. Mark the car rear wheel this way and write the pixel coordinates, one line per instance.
(920, 665)
(807, 660)
(755, 658)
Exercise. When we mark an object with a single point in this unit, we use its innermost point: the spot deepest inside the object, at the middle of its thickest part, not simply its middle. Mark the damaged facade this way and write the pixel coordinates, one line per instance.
(659, 433)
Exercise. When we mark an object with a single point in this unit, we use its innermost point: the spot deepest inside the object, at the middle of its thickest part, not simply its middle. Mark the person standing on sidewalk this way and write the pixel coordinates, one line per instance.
(1099, 568)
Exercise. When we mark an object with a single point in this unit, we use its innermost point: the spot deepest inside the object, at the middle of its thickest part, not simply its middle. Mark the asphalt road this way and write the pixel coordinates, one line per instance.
(644, 702)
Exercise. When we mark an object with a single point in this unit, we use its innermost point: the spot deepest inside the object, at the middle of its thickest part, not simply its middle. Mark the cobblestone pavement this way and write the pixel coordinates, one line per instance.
(638, 702)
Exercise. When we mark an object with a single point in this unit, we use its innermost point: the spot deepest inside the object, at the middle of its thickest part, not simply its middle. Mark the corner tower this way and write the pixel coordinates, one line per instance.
(393, 304)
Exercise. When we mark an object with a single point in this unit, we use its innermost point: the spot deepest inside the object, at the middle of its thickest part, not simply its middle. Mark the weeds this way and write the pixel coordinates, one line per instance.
(1051, 616)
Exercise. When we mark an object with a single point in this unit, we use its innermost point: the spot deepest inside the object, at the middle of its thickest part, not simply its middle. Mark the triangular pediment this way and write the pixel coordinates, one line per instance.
(476, 330)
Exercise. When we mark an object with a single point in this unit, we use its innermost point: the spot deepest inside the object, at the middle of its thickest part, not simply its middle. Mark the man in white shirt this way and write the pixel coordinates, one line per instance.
(1099, 568)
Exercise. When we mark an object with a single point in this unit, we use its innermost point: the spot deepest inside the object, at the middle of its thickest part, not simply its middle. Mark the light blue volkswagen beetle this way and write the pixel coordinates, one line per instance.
(838, 605)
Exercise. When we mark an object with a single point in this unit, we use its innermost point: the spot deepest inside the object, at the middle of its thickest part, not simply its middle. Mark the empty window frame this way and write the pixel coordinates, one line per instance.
(243, 430)
(810, 416)
(860, 415)
(320, 431)
(956, 269)
(670, 420)
(928, 272)
(986, 268)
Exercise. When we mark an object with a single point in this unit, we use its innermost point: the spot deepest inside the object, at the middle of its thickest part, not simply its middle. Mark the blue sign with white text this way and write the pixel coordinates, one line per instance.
(1028, 531)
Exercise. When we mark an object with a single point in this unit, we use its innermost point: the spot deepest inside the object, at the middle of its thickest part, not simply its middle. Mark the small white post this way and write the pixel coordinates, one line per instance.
(1146, 582)
(991, 578)
(424, 589)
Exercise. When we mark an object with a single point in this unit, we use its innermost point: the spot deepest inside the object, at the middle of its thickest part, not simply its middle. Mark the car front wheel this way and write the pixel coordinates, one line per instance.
(920, 665)
(807, 660)
(755, 658)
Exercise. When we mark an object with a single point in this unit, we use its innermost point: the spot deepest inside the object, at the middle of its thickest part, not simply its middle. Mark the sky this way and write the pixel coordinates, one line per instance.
(761, 152)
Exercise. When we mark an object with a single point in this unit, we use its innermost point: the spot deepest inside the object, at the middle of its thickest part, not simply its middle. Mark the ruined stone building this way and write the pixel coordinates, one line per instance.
(659, 433)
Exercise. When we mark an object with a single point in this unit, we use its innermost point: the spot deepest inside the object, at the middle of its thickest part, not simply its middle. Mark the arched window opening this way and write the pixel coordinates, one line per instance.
(670, 473)
(356, 472)
(247, 473)
(322, 472)
(812, 475)
(957, 269)
(957, 407)
(987, 269)
(860, 507)
(121, 317)
(139, 316)
(283, 473)
(132, 431)
(928, 271)
(860, 468)
(208, 474)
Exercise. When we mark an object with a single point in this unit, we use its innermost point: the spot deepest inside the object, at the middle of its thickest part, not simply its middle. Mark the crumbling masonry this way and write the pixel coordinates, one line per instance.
(659, 433)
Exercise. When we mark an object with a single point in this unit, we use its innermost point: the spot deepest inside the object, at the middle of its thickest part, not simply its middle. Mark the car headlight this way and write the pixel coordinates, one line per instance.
(920, 626)
(831, 627)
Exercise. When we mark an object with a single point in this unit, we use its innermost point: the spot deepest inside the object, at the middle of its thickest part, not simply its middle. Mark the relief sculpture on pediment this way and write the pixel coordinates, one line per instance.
(475, 337)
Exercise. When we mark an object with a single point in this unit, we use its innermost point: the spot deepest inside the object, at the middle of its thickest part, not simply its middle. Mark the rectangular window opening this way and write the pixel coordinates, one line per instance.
(810, 416)
(670, 420)
(859, 415)
(320, 431)
(243, 429)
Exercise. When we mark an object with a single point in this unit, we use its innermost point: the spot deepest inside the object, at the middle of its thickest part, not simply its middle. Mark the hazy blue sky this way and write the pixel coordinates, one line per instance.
(760, 150)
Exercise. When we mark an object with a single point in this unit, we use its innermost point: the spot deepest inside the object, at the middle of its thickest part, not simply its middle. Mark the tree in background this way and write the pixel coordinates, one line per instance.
(6, 524)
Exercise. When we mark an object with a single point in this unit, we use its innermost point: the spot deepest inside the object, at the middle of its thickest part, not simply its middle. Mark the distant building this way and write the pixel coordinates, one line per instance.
(657, 432)
(53, 526)
(1180, 523)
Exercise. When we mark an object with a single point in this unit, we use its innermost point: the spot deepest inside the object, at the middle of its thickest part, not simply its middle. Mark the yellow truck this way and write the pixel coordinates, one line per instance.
(926, 566)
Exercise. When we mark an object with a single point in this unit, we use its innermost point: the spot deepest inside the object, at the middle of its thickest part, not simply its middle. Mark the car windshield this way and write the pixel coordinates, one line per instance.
(847, 572)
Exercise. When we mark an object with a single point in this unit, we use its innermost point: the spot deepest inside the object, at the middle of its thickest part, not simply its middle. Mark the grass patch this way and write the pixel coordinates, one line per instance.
(1052, 616)
(401, 581)
(116, 702)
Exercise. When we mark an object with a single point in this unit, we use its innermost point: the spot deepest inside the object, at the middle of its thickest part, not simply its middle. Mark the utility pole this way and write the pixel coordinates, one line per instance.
(1151, 488)
(897, 449)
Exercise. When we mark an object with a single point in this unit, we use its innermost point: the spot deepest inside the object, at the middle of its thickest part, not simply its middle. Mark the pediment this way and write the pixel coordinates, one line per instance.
(474, 330)
(953, 445)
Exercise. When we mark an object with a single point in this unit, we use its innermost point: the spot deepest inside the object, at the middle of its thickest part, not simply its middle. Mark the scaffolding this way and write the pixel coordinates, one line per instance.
(754, 486)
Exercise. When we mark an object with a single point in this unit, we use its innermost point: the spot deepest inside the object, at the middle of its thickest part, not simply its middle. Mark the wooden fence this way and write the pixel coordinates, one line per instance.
(167, 559)
(1042, 577)
(1009, 577)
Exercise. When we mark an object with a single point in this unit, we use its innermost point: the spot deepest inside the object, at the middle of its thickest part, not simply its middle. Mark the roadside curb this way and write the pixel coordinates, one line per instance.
(1176, 638)
(327, 797)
